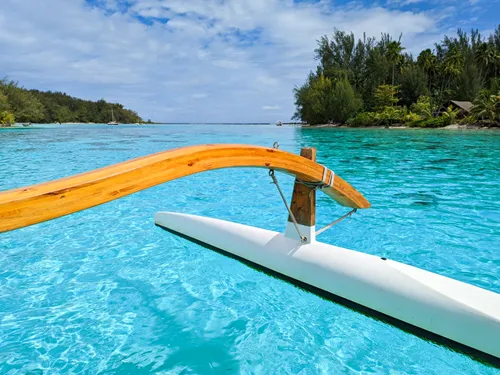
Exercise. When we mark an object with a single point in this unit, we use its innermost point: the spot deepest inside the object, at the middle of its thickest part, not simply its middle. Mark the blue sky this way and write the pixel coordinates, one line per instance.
(203, 60)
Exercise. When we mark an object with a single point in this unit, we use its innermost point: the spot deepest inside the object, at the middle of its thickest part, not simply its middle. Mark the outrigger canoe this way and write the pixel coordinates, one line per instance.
(461, 314)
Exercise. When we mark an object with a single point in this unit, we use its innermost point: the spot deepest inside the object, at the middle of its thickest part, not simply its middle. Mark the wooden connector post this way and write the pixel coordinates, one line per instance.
(303, 205)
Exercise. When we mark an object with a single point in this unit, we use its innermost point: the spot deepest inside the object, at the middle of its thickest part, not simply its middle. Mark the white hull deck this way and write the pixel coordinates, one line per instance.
(457, 311)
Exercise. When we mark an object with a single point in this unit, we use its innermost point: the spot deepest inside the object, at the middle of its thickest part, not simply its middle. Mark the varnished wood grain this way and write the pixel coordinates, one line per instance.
(303, 203)
(34, 204)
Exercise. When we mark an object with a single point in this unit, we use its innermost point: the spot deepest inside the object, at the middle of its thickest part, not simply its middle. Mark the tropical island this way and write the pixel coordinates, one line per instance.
(18, 104)
(372, 82)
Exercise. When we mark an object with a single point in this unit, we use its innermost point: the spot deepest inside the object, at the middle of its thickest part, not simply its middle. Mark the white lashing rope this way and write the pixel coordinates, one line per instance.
(319, 185)
(330, 181)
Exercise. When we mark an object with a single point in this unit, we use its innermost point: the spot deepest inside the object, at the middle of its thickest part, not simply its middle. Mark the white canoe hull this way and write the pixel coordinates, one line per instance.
(452, 309)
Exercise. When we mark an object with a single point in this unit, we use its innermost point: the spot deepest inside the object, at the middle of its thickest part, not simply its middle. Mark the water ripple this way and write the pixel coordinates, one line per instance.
(104, 291)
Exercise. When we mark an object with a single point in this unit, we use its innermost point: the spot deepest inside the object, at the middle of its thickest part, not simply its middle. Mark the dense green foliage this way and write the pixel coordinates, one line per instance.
(324, 99)
(48, 107)
(375, 82)
(487, 106)
(6, 116)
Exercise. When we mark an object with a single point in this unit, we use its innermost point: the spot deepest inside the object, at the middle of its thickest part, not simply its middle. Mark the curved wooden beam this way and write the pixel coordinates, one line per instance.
(34, 204)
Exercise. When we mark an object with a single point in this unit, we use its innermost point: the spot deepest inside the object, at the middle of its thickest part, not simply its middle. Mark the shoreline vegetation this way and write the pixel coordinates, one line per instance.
(20, 105)
(402, 126)
(374, 83)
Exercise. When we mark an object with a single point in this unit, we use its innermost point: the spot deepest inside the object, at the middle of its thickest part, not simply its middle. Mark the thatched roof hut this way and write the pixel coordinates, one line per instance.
(465, 106)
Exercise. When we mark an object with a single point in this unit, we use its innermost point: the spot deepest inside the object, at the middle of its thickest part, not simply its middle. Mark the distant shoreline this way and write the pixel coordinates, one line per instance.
(305, 126)
(19, 125)
(449, 127)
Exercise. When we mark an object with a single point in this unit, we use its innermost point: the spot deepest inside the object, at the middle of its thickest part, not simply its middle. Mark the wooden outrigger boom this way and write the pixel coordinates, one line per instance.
(38, 203)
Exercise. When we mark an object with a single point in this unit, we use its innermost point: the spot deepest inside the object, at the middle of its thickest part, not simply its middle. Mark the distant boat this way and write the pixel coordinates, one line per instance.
(279, 123)
(113, 121)
(28, 124)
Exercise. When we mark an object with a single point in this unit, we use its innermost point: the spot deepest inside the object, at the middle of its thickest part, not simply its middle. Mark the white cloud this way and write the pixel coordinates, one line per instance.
(241, 52)
(271, 107)
(407, 2)
(229, 64)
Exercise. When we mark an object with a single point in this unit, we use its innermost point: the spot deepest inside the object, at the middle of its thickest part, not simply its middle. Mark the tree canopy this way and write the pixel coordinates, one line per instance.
(464, 67)
(48, 107)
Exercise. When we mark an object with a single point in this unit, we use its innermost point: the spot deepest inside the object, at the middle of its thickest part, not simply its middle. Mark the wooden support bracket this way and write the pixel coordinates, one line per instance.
(304, 198)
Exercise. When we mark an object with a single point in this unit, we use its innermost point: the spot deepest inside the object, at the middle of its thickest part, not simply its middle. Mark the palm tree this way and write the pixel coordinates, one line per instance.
(452, 65)
(426, 60)
(486, 57)
(394, 50)
(405, 62)
(450, 113)
(487, 106)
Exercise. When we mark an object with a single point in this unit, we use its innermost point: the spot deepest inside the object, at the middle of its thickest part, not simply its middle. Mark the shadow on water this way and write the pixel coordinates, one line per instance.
(442, 161)
(206, 358)
(474, 354)
(433, 167)
(202, 356)
(107, 149)
(417, 199)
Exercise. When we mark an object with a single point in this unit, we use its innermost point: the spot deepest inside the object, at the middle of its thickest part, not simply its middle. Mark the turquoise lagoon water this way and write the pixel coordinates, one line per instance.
(106, 291)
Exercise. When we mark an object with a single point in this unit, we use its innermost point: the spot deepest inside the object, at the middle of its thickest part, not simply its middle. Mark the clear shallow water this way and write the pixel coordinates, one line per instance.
(105, 291)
